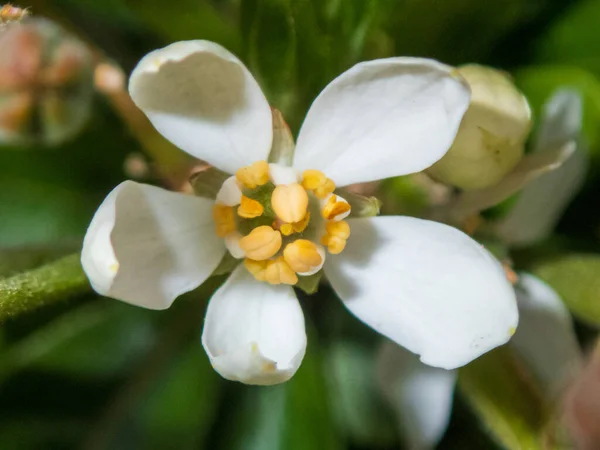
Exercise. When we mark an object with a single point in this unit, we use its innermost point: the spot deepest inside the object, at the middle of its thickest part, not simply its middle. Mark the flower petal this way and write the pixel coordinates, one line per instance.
(382, 118)
(146, 246)
(426, 286)
(204, 100)
(545, 337)
(253, 331)
(420, 395)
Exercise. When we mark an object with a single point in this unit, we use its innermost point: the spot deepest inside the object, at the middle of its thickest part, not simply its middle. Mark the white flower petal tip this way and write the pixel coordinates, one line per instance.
(546, 338)
(408, 110)
(421, 396)
(146, 246)
(427, 286)
(204, 100)
(254, 332)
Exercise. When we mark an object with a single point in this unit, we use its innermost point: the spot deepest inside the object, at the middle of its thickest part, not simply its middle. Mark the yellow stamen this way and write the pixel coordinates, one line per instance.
(337, 234)
(224, 217)
(256, 268)
(302, 256)
(250, 208)
(262, 243)
(297, 227)
(289, 202)
(253, 175)
(279, 272)
(334, 208)
(316, 181)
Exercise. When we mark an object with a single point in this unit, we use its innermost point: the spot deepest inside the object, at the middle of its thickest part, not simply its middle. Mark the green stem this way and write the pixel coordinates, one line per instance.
(47, 284)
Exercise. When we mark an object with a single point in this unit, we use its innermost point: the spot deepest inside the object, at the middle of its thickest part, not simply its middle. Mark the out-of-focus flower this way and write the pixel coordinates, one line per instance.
(418, 282)
(11, 14)
(46, 83)
(543, 201)
(492, 134)
(421, 396)
(581, 408)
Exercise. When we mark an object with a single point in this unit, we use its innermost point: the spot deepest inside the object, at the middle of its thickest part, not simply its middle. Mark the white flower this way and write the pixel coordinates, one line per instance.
(425, 285)
(421, 396)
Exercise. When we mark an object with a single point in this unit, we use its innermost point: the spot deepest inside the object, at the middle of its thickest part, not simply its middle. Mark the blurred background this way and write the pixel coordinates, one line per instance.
(81, 371)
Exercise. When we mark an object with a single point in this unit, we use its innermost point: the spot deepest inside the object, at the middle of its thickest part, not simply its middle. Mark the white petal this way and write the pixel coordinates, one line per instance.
(253, 331)
(420, 395)
(146, 246)
(203, 99)
(427, 286)
(545, 337)
(382, 118)
(230, 193)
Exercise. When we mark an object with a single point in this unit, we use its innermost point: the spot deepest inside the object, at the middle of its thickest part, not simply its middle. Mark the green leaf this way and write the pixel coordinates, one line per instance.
(539, 83)
(53, 282)
(271, 49)
(356, 401)
(575, 277)
(498, 391)
(178, 413)
(94, 340)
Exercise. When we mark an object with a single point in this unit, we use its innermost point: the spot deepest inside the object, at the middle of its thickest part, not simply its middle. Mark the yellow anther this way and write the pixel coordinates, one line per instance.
(256, 268)
(289, 202)
(312, 179)
(324, 190)
(302, 256)
(316, 181)
(253, 175)
(279, 272)
(337, 234)
(300, 226)
(262, 243)
(249, 208)
(297, 227)
(286, 229)
(224, 217)
(334, 208)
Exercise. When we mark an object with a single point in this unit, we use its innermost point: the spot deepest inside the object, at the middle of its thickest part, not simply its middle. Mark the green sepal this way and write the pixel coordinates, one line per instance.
(208, 182)
(309, 284)
(361, 206)
(227, 265)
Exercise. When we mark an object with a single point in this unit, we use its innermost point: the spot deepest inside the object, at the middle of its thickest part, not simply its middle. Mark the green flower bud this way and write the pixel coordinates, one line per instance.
(46, 83)
(491, 137)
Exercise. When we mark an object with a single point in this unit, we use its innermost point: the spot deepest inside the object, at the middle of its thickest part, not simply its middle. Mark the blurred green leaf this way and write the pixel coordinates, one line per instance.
(56, 281)
(504, 400)
(359, 411)
(94, 340)
(573, 38)
(271, 48)
(538, 83)
(178, 413)
(446, 30)
(575, 277)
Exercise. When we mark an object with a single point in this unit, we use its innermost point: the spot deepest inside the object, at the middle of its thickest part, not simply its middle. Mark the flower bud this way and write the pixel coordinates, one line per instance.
(46, 83)
(491, 137)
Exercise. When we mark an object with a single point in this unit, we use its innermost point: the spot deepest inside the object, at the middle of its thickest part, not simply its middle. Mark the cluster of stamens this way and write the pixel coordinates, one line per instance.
(282, 229)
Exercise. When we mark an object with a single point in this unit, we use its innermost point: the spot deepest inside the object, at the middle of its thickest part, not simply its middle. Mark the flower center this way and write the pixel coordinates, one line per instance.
(280, 221)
